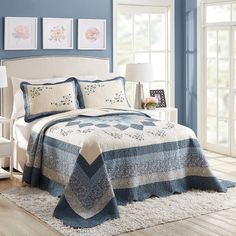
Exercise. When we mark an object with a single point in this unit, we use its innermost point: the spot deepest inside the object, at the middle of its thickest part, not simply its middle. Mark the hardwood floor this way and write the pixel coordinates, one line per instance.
(222, 223)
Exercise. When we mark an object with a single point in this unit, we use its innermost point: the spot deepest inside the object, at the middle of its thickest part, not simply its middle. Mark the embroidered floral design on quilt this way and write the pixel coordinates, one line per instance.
(36, 91)
(85, 131)
(118, 98)
(91, 88)
(115, 135)
(65, 133)
(139, 136)
(162, 132)
(66, 100)
(53, 129)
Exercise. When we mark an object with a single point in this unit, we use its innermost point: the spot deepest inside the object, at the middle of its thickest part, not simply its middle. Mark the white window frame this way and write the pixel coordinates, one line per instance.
(201, 109)
(156, 3)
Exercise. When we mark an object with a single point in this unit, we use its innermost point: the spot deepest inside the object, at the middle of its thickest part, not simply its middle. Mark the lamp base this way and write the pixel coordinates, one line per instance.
(138, 96)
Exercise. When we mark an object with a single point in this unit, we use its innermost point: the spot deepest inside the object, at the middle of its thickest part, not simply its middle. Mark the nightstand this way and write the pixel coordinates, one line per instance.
(163, 113)
(5, 152)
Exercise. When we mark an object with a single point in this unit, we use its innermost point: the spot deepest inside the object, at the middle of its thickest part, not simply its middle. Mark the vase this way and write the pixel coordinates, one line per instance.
(150, 107)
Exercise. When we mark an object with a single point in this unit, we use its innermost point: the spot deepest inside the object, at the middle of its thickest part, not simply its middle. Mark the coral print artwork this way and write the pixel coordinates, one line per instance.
(92, 34)
(20, 33)
(57, 33)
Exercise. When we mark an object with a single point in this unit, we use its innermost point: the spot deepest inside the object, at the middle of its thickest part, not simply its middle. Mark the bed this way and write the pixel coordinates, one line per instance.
(96, 158)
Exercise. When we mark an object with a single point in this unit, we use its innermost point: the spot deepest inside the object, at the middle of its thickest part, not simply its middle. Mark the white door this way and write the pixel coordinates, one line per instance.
(234, 94)
(219, 82)
(217, 88)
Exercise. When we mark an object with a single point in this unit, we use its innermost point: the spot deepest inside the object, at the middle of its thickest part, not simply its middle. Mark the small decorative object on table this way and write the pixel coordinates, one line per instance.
(150, 103)
(160, 95)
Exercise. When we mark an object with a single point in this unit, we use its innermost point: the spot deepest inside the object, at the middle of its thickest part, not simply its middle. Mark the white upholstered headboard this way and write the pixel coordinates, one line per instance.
(48, 67)
(44, 67)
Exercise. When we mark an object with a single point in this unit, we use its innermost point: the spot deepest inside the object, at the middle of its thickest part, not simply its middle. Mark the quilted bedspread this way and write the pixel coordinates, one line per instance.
(96, 159)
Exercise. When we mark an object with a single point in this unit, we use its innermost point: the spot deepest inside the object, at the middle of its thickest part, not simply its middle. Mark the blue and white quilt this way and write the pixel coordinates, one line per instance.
(96, 159)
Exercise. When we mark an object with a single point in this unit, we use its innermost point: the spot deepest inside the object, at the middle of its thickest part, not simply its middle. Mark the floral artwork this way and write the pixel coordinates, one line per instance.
(91, 34)
(57, 33)
(20, 33)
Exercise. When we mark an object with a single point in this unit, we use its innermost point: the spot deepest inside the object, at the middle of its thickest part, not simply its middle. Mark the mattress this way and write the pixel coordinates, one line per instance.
(21, 132)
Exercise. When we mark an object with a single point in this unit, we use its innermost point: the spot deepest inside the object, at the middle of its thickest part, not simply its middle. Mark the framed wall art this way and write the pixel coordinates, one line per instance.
(57, 33)
(91, 34)
(160, 95)
(20, 33)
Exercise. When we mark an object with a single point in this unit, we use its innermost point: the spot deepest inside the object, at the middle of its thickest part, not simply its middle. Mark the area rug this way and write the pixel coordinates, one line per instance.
(134, 216)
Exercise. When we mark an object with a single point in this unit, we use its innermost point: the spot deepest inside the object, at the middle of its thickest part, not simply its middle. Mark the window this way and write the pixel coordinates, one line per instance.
(218, 90)
(143, 36)
(218, 13)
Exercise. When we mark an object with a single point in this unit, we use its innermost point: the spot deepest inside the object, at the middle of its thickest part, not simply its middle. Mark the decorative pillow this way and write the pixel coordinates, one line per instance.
(18, 101)
(103, 93)
(47, 99)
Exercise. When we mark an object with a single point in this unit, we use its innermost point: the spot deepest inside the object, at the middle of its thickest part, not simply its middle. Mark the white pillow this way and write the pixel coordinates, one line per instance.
(103, 93)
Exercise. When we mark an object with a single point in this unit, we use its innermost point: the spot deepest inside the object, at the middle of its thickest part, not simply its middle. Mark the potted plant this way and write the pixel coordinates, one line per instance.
(150, 103)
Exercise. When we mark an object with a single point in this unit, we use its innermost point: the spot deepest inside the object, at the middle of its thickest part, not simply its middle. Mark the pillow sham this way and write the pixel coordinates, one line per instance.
(47, 99)
(103, 93)
(18, 101)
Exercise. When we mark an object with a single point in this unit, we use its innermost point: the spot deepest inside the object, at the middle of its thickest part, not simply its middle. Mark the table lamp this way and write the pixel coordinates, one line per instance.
(140, 72)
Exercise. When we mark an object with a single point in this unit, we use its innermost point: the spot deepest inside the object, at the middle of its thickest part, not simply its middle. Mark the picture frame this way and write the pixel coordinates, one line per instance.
(58, 33)
(20, 33)
(91, 34)
(160, 95)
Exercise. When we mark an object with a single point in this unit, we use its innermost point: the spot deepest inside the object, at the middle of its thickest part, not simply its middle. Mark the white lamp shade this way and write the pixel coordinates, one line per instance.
(3, 77)
(140, 72)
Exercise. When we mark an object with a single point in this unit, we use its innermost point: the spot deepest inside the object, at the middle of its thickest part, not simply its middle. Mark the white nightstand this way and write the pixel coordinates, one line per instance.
(5, 152)
(163, 113)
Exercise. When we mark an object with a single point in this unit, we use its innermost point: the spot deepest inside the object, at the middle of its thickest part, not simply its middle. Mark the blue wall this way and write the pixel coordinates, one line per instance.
(186, 61)
(185, 40)
(57, 8)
